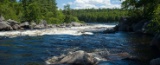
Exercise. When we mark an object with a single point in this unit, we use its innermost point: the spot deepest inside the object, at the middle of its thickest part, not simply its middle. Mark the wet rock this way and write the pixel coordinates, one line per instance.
(124, 25)
(76, 58)
(110, 30)
(5, 27)
(155, 61)
(25, 25)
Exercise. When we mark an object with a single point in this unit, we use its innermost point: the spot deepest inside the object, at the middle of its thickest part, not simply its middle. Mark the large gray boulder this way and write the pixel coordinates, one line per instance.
(75, 58)
(5, 27)
(14, 24)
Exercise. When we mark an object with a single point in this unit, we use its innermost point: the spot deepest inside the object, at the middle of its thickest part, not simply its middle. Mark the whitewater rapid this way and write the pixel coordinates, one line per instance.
(58, 31)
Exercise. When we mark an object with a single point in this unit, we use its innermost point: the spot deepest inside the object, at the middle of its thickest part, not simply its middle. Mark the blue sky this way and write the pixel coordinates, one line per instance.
(82, 4)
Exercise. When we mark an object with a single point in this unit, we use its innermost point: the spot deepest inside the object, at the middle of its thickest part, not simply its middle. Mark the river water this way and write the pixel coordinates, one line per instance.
(34, 50)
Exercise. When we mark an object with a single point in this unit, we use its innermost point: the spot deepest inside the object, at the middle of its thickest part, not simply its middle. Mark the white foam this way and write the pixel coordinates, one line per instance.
(54, 31)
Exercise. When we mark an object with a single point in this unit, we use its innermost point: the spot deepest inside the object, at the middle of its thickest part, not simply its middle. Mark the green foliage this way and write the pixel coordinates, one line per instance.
(99, 15)
(144, 9)
(155, 22)
(31, 10)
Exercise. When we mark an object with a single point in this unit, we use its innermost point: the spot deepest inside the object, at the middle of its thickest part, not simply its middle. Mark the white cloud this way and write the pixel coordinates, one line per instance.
(82, 4)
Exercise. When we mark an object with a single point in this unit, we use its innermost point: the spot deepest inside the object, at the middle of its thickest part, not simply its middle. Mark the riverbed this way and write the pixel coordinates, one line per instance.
(36, 46)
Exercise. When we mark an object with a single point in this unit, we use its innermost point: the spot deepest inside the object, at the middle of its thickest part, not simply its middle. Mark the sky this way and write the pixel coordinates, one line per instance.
(83, 4)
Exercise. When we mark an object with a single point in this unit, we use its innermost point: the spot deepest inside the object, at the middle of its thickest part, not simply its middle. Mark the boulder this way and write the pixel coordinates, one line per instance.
(124, 25)
(75, 58)
(25, 25)
(33, 24)
(138, 27)
(13, 24)
(43, 22)
(2, 18)
(41, 25)
(75, 24)
(155, 43)
(5, 27)
(141, 27)
(110, 30)
(155, 61)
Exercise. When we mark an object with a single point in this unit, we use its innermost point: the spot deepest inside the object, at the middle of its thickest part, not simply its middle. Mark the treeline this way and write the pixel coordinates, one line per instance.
(144, 10)
(31, 10)
(36, 10)
(99, 15)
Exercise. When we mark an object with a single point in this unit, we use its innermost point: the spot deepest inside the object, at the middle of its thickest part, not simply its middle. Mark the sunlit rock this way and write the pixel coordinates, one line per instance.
(77, 58)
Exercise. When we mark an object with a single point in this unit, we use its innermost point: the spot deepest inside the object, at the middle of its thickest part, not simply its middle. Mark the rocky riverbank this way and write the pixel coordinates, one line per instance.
(10, 25)
(141, 27)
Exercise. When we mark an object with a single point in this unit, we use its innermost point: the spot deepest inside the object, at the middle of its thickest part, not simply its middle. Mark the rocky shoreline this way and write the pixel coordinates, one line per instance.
(141, 27)
(12, 25)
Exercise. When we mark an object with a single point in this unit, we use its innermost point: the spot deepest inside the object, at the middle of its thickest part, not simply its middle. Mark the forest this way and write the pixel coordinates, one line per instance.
(99, 15)
(36, 10)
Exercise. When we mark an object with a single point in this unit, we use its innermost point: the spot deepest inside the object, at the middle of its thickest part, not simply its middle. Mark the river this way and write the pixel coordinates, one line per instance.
(34, 50)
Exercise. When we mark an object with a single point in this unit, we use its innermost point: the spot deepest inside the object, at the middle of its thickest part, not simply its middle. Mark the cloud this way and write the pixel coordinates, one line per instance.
(82, 4)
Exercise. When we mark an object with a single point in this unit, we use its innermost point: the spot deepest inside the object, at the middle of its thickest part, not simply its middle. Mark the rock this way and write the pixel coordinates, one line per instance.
(155, 61)
(75, 24)
(138, 27)
(33, 24)
(155, 43)
(39, 26)
(13, 24)
(141, 26)
(25, 25)
(77, 58)
(2, 18)
(124, 25)
(110, 30)
(16, 27)
(5, 27)
(43, 22)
